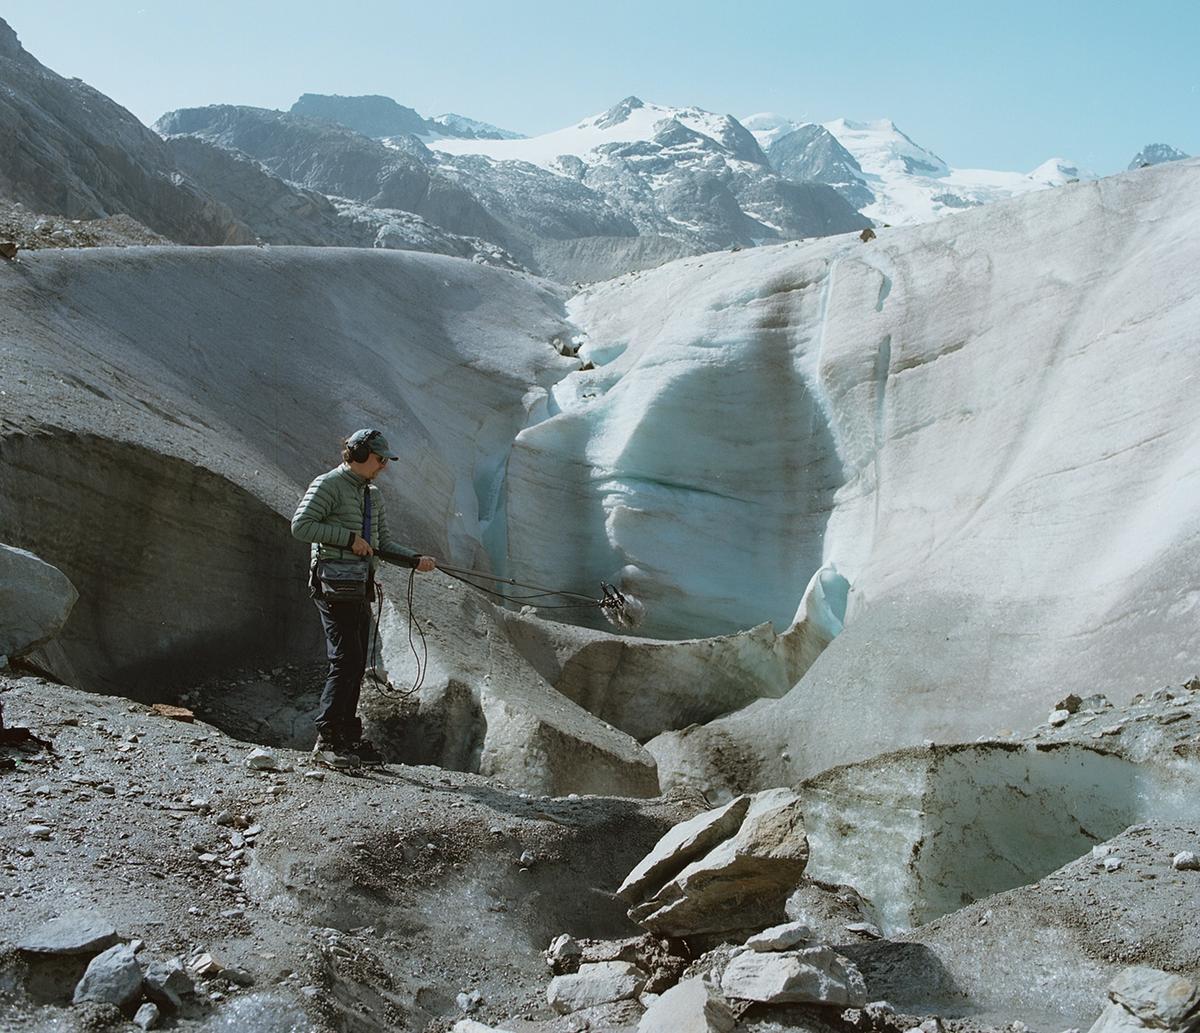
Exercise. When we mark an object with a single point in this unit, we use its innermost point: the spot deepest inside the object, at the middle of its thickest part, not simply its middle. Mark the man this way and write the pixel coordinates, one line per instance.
(342, 515)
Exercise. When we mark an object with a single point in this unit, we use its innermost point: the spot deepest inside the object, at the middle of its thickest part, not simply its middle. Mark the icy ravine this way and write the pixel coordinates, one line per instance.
(715, 428)
(989, 424)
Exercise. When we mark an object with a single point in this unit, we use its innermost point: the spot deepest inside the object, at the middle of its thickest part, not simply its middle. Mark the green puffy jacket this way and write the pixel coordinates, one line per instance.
(331, 514)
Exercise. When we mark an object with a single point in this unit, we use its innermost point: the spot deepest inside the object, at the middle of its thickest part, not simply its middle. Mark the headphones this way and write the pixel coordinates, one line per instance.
(358, 444)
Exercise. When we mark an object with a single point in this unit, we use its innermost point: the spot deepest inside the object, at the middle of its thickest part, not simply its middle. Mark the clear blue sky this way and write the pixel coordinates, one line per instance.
(1000, 85)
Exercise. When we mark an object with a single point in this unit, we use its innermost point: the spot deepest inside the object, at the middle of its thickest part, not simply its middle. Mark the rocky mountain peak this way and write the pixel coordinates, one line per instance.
(1155, 154)
(618, 113)
(371, 115)
(10, 46)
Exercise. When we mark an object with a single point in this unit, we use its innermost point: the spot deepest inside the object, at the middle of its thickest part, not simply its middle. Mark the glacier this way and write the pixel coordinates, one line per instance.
(916, 487)
(989, 425)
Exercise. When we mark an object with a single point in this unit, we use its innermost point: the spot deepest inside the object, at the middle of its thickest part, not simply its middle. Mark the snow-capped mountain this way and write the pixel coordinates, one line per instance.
(1155, 154)
(907, 183)
(681, 173)
(631, 121)
(460, 126)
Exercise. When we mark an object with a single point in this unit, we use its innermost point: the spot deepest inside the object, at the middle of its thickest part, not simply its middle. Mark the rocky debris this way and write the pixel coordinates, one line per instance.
(781, 937)
(691, 1006)
(739, 884)
(468, 1001)
(113, 977)
(1142, 998)
(1186, 861)
(167, 983)
(811, 975)
(82, 933)
(685, 843)
(35, 601)
(29, 230)
(563, 954)
(600, 982)
(260, 759)
(172, 713)
(147, 1016)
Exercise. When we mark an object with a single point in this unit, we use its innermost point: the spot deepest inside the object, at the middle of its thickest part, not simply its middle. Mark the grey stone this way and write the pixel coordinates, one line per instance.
(562, 952)
(740, 884)
(1155, 998)
(260, 759)
(70, 934)
(469, 1001)
(112, 977)
(1185, 861)
(147, 1016)
(690, 1006)
(781, 937)
(167, 983)
(35, 601)
(812, 975)
(682, 844)
(600, 982)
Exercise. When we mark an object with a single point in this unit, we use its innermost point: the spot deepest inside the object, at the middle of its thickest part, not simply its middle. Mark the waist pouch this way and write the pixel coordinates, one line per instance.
(344, 581)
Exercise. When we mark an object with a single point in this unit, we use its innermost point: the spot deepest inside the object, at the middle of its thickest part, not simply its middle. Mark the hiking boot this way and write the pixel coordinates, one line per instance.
(335, 753)
(366, 752)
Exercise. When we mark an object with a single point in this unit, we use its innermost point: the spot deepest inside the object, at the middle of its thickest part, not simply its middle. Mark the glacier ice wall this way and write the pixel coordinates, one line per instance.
(697, 464)
(990, 424)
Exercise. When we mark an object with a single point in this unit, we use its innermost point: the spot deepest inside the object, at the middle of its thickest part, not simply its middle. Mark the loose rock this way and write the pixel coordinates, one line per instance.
(813, 975)
(71, 934)
(147, 1016)
(1185, 861)
(781, 937)
(596, 983)
(113, 977)
(691, 1006)
(1147, 998)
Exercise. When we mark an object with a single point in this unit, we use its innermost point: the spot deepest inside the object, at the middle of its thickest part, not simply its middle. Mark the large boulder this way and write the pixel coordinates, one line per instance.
(1142, 998)
(811, 975)
(35, 601)
(112, 977)
(600, 982)
(82, 933)
(739, 885)
(690, 1006)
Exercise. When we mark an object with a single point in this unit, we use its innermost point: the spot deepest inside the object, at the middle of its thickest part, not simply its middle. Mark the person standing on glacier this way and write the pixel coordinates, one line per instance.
(342, 516)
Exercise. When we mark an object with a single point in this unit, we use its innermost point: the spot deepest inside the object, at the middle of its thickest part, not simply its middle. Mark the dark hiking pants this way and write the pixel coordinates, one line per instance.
(347, 633)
